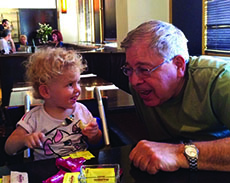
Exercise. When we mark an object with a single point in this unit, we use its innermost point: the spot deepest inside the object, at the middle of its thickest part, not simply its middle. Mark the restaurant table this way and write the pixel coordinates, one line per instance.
(43, 169)
(117, 98)
(119, 108)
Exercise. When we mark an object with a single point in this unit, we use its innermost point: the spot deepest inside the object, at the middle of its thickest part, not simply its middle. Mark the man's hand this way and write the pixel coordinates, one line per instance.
(153, 157)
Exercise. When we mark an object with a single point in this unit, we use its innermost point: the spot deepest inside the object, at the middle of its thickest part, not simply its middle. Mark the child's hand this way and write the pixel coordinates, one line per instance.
(93, 132)
(34, 140)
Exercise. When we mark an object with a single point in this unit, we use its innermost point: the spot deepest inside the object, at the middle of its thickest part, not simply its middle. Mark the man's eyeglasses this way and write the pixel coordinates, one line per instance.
(140, 71)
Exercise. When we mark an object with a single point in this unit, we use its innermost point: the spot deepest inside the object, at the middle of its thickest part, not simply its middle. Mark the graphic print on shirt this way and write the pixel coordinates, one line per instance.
(63, 142)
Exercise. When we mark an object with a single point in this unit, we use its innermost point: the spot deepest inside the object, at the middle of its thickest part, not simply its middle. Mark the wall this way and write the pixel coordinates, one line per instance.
(28, 4)
(131, 13)
(29, 19)
(68, 22)
(122, 20)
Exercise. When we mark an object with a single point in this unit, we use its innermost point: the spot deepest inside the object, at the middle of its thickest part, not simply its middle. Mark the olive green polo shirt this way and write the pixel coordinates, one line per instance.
(199, 112)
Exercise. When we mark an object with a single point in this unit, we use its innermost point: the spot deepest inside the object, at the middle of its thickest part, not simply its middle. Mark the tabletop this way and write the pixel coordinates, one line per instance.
(41, 170)
(117, 98)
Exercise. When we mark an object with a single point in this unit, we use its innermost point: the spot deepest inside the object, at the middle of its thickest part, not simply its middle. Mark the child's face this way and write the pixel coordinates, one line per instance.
(65, 89)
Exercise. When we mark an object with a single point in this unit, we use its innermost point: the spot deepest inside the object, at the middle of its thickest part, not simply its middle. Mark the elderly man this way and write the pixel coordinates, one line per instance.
(6, 42)
(184, 101)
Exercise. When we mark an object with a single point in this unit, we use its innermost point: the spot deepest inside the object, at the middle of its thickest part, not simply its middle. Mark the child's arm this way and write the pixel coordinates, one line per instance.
(21, 138)
(93, 133)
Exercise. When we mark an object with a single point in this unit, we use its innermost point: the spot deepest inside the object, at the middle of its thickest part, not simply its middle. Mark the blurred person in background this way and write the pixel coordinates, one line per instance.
(23, 44)
(5, 25)
(6, 43)
(57, 38)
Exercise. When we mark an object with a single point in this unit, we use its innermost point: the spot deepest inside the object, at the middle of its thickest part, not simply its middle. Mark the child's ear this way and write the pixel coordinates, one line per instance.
(44, 91)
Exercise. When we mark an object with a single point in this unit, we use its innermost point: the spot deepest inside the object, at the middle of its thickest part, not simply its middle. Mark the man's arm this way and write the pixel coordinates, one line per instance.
(153, 157)
(214, 155)
(12, 45)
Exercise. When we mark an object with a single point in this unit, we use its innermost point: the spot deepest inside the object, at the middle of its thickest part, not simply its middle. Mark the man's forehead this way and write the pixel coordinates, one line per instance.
(142, 56)
(140, 52)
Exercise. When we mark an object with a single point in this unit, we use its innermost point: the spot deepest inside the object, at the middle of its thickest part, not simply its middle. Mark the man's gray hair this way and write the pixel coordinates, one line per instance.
(164, 38)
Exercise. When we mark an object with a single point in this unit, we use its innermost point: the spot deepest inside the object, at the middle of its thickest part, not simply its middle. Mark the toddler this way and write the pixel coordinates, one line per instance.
(55, 75)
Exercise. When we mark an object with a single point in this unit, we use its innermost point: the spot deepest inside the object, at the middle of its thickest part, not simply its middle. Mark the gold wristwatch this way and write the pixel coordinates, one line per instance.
(191, 152)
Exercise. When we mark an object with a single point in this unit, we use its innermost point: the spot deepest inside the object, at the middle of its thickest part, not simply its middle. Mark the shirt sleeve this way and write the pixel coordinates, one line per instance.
(82, 113)
(28, 122)
(220, 97)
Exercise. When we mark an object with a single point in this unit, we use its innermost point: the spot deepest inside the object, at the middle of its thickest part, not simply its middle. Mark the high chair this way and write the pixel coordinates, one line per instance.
(14, 113)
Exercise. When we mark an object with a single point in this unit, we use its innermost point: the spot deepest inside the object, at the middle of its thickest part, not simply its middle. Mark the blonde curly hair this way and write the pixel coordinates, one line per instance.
(48, 63)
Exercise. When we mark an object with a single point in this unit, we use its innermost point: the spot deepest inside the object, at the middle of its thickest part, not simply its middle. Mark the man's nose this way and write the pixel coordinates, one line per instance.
(134, 79)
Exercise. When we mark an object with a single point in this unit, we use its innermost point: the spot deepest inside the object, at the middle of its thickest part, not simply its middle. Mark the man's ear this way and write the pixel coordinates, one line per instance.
(44, 91)
(180, 63)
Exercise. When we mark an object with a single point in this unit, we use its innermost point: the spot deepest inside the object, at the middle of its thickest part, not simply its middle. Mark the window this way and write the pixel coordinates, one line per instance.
(216, 26)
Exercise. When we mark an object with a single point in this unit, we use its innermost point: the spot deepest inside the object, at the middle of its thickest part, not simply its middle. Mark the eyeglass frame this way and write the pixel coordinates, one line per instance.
(148, 70)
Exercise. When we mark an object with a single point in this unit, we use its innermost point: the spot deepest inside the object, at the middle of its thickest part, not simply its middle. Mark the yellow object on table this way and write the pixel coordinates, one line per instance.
(71, 177)
(6, 179)
(84, 154)
(82, 125)
(101, 173)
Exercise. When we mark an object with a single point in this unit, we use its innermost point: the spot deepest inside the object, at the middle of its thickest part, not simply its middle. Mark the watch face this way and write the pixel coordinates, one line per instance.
(191, 151)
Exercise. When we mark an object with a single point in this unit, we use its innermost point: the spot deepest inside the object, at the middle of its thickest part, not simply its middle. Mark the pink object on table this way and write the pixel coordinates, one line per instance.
(73, 165)
(57, 178)
(70, 164)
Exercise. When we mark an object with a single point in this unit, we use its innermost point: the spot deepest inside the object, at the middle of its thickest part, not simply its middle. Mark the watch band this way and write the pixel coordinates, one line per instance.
(192, 163)
(191, 153)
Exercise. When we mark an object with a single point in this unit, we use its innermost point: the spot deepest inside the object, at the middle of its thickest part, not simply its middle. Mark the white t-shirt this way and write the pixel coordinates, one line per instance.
(62, 141)
(4, 46)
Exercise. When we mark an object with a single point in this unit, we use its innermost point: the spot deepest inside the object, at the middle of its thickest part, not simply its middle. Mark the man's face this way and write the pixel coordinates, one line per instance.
(6, 24)
(161, 85)
(9, 36)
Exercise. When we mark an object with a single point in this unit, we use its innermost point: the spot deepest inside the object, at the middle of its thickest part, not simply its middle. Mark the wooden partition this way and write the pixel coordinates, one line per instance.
(187, 16)
(12, 71)
(107, 65)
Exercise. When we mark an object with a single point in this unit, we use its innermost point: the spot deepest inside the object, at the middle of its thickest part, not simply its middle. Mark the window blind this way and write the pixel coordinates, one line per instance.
(218, 26)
